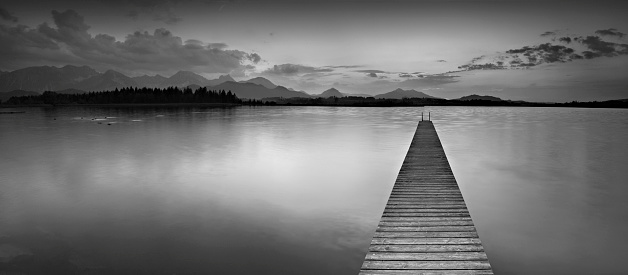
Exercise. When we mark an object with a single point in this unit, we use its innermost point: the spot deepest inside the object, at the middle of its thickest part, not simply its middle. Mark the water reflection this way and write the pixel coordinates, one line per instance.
(229, 191)
(299, 190)
(544, 185)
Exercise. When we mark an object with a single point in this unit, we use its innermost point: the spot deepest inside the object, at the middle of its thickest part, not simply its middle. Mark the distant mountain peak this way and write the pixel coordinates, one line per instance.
(184, 79)
(402, 90)
(226, 77)
(247, 90)
(401, 93)
(262, 81)
(480, 97)
(182, 72)
(45, 78)
(331, 92)
(112, 72)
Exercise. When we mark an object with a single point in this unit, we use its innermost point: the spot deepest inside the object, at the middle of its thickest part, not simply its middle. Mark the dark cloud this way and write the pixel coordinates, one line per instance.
(590, 54)
(530, 56)
(441, 60)
(13, 40)
(219, 46)
(254, 57)
(292, 69)
(565, 39)
(610, 32)
(371, 75)
(546, 52)
(601, 47)
(371, 71)
(6, 15)
(405, 75)
(68, 41)
(597, 45)
(548, 33)
(475, 59)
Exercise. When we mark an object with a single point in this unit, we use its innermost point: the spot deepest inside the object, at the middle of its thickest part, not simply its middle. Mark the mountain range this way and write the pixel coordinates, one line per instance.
(334, 92)
(48, 78)
(74, 79)
(330, 92)
(400, 93)
(480, 97)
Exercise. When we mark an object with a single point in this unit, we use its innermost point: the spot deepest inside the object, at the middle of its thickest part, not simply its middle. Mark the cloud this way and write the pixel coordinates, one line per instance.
(548, 33)
(529, 56)
(371, 75)
(371, 71)
(565, 39)
(610, 32)
(254, 57)
(405, 75)
(602, 48)
(6, 15)
(441, 60)
(345, 66)
(293, 69)
(219, 46)
(69, 41)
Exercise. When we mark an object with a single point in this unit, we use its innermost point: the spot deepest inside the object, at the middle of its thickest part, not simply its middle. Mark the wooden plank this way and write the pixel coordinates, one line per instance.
(428, 202)
(426, 256)
(425, 201)
(424, 272)
(426, 227)
(419, 200)
(426, 265)
(392, 234)
(422, 206)
(417, 241)
(426, 214)
(433, 210)
(428, 194)
(426, 248)
(424, 219)
(457, 196)
(426, 223)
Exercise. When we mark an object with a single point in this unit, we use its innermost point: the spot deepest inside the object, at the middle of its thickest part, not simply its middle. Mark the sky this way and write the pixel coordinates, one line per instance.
(356, 46)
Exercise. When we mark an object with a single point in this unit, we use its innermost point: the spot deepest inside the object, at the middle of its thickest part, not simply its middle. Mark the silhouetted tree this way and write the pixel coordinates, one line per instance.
(131, 96)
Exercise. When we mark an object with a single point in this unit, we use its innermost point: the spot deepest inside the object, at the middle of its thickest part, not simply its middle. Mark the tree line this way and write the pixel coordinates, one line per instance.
(130, 95)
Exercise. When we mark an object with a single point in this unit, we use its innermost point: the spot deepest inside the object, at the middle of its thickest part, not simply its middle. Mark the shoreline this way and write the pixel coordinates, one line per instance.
(125, 105)
(589, 105)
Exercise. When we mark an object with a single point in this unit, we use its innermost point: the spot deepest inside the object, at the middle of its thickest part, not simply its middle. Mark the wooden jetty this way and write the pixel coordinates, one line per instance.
(426, 227)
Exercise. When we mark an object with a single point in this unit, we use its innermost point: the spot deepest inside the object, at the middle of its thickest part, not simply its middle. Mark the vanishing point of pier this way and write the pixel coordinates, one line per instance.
(426, 227)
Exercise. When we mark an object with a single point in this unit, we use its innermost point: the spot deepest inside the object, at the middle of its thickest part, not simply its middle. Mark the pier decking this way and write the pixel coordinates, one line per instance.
(426, 227)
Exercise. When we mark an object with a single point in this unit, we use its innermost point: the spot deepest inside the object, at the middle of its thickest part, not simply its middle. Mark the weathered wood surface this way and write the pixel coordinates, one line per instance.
(426, 227)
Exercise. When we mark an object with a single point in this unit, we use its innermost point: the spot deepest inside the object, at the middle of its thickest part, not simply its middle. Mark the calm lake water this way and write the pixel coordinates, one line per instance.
(299, 190)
